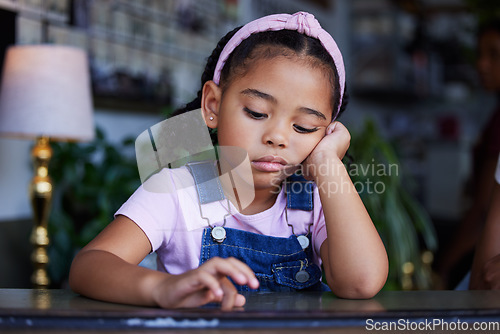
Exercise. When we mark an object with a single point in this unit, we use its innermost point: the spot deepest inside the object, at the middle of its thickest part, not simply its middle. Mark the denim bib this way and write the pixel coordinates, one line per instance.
(280, 264)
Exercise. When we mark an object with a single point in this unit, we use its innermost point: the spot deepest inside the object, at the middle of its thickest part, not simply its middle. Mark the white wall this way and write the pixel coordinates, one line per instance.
(16, 169)
(15, 173)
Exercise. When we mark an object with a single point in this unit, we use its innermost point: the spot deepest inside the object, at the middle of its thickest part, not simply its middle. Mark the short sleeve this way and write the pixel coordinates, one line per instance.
(155, 212)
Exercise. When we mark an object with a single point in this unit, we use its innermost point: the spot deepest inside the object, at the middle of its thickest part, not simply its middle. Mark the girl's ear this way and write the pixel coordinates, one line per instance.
(210, 102)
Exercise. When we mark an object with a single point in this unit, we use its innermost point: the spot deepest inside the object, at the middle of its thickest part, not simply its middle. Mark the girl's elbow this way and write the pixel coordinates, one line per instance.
(369, 289)
(76, 276)
(356, 292)
(363, 287)
(73, 278)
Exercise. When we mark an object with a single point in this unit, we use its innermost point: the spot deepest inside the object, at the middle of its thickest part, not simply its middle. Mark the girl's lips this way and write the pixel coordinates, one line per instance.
(270, 164)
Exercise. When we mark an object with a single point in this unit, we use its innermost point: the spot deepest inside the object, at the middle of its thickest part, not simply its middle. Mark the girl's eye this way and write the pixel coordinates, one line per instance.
(301, 129)
(255, 115)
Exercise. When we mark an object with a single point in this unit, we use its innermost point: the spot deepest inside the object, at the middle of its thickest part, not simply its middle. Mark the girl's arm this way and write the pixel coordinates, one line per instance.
(107, 269)
(485, 272)
(353, 255)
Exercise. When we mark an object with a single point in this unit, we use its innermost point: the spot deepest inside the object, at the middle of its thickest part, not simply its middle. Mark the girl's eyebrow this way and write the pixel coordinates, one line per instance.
(313, 112)
(257, 93)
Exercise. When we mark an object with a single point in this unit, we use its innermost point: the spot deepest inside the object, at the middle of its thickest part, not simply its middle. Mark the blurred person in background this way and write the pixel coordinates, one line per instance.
(456, 258)
(485, 273)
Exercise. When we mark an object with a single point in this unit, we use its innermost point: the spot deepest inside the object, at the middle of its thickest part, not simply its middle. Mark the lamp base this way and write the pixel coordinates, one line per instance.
(41, 197)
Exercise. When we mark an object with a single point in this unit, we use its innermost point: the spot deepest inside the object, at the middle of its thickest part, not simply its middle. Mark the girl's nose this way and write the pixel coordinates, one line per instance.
(275, 136)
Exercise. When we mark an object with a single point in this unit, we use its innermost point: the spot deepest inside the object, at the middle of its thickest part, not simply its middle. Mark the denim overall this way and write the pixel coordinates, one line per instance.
(280, 264)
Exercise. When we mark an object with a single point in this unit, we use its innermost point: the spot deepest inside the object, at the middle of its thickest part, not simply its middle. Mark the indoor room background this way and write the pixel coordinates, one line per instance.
(413, 90)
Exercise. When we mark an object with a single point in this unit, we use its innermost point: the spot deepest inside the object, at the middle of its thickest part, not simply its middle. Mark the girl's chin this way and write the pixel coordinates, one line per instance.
(268, 180)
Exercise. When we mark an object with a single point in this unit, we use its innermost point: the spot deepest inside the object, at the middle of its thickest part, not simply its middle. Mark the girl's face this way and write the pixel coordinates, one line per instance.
(489, 60)
(278, 112)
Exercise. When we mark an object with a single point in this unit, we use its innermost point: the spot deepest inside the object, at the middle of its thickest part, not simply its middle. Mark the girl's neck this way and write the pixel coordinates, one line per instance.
(262, 200)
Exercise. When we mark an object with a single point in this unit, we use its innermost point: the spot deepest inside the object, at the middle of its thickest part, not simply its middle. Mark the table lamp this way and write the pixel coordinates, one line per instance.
(45, 95)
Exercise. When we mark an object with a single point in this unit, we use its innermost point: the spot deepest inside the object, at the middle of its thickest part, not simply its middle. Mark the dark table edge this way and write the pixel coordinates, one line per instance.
(176, 320)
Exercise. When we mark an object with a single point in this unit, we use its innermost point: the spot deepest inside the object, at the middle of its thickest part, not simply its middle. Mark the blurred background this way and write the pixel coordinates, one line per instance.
(415, 101)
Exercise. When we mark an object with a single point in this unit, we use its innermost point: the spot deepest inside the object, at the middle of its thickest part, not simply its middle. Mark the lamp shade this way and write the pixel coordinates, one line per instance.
(45, 91)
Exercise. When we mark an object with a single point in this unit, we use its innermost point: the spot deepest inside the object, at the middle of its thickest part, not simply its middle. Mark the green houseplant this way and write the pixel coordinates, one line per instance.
(91, 181)
(404, 226)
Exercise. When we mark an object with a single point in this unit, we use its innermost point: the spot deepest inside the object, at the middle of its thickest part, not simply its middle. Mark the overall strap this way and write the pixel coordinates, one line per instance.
(299, 192)
(206, 179)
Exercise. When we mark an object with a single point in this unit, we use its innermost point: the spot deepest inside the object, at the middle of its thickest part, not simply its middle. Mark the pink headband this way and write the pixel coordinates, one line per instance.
(302, 22)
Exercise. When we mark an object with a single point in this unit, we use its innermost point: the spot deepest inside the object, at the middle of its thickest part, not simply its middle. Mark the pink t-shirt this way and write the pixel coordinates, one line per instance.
(167, 209)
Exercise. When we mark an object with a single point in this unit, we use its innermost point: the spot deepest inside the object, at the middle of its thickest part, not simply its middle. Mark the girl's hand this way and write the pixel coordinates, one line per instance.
(334, 145)
(205, 284)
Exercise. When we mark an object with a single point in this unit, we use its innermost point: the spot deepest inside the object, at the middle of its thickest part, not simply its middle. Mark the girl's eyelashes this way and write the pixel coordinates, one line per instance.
(254, 115)
(257, 115)
(301, 129)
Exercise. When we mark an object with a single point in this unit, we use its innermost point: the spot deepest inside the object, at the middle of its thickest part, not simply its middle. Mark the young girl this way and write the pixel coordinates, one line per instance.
(273, 88)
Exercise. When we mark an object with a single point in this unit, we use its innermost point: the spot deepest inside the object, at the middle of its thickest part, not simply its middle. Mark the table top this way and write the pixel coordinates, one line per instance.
(63, 309)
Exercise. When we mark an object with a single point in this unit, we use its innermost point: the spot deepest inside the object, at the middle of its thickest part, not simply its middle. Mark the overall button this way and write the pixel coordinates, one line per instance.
(303, 241)
(219, 234)
(302, 276)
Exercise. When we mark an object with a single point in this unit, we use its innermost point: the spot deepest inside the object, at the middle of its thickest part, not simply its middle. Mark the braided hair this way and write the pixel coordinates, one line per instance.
(267, 44)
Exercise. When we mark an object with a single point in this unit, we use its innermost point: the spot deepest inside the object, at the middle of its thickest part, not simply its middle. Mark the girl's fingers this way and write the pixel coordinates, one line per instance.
(331, 127)
(230, 294)
(231, 297)
(239, 272)
(212, 283)
(250, 278)
(196, 299)
(187, 290)
(240, 300)
(214, 278)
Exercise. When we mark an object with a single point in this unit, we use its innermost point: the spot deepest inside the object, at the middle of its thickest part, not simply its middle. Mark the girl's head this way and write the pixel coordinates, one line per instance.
(272, 88)
(489, 55)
